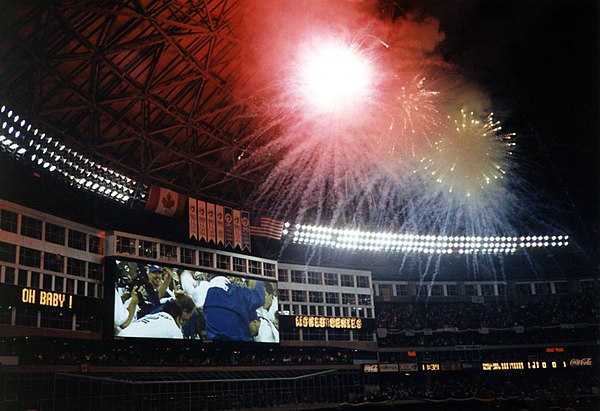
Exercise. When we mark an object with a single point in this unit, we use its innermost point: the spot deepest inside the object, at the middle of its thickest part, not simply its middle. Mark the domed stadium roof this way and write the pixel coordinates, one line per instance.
(142, 87)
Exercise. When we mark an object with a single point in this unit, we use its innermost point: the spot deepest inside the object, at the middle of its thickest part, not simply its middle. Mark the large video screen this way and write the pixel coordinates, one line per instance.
(160, 301)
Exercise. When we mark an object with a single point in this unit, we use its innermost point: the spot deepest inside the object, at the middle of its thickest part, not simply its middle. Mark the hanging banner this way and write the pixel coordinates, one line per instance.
(211, 223)
(237, 229)
(228, 216)
(193, 218)
(220, 224)
(201, 220)
(166, 202)
(246, 230)
(267, 227)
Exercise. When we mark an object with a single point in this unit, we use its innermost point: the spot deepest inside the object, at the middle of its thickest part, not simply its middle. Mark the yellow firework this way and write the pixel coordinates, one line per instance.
(471, 156)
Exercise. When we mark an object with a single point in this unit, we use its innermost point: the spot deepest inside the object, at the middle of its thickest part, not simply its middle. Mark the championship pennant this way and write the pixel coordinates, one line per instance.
(201, 220)
(193, 218)
(211, 223)
(218, 224)
(228, 216)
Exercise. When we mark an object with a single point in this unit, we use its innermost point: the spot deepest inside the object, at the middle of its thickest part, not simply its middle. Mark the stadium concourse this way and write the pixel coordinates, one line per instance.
(282, 205)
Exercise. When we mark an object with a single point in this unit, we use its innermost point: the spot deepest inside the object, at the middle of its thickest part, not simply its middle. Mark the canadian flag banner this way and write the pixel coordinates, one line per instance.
(164, 201)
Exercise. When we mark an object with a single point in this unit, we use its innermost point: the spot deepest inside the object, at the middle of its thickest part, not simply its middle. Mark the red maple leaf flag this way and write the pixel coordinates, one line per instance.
(164, 201)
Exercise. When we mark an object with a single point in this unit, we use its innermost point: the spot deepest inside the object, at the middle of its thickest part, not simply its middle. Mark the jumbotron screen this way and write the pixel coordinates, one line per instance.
(160, 301)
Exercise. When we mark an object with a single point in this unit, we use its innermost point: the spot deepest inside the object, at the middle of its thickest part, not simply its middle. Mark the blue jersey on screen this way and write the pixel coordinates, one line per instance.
(228, 311)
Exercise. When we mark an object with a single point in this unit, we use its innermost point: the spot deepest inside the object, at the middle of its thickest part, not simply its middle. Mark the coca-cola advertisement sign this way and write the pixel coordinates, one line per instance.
(580, 362)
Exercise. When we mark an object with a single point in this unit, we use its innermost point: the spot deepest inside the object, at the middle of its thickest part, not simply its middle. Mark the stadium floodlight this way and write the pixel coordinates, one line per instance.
(353, 239)
(19, 139)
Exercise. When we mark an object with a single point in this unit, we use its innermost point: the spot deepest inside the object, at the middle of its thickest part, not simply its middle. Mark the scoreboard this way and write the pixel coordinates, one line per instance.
(536, 365)
(563, 363)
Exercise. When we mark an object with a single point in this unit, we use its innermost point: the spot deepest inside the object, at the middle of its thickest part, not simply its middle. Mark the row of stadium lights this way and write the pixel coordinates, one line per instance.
(428, 244)
(22, 140)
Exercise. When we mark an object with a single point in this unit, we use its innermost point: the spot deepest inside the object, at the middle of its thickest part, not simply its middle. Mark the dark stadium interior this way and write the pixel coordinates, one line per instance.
(151, 90)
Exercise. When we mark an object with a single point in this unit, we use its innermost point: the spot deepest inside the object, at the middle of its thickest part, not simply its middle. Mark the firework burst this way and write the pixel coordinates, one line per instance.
(353, 132)
(333, 79)
(471, 156)
(413, 118)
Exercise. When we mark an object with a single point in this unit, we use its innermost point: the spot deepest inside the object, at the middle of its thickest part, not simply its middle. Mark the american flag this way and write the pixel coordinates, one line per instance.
(267, 227)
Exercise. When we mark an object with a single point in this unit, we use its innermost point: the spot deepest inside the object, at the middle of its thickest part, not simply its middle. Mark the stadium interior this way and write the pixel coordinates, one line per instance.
(106, 107)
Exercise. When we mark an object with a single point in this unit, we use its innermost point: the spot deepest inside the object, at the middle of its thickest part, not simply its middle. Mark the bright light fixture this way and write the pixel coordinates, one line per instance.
(352, 239)
(20, 141)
